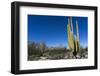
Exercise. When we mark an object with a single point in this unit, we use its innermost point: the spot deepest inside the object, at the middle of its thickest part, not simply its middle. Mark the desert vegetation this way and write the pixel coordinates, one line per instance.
(39, 51)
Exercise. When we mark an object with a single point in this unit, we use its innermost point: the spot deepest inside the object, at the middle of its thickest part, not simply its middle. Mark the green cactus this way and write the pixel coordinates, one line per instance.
(73, 43)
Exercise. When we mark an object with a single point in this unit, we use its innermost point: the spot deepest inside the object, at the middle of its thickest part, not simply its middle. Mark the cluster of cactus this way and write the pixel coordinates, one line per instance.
(73, 42)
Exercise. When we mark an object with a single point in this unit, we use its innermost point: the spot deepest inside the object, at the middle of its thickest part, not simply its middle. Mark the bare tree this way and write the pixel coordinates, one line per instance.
(42, 47)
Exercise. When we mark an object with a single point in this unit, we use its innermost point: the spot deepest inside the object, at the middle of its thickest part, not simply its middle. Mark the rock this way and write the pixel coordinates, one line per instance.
(43, 58)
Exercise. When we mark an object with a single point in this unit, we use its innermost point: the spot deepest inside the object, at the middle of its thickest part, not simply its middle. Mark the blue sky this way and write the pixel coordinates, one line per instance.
(53, 29)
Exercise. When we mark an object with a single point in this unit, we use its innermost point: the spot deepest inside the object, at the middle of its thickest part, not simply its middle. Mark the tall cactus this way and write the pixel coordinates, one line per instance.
(73, 43)
(70, 36)
(77, 39)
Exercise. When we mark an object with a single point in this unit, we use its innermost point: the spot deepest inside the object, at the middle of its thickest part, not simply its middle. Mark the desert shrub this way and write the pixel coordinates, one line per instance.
(32, 50)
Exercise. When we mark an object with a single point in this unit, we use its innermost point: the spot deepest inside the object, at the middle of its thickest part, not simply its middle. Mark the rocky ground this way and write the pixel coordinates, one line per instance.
(54, 55)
